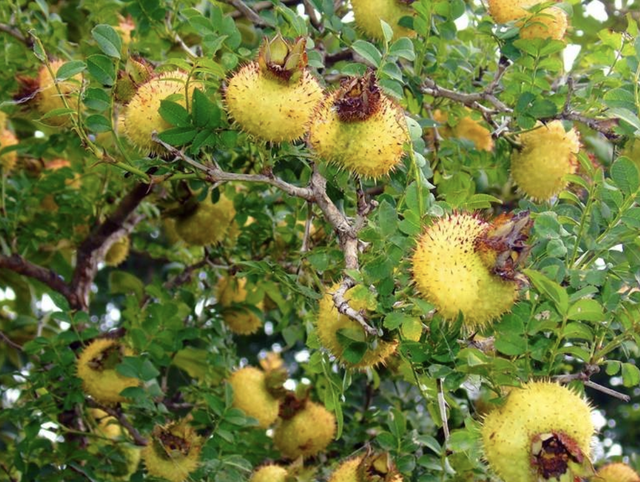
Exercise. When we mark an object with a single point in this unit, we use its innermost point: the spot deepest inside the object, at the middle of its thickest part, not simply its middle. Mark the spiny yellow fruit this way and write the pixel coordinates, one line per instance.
(251, 395)
(616, 473)
(330, 321)
(367, 468)
(467, 128)
(274, 97)
(8, 159)
(96, 367)
(240, 320)
(548, 23)
(3, 120)
(208, 223)
(547, 155)
(49, 97)
(173, 452)
(118, 252)
(450, 272)
(543, 430)
(503, 11)
(142, 116)
(359, 129)
(107, 425)
(307, 433)
(269, 473)
(632, 151)
(368, 13)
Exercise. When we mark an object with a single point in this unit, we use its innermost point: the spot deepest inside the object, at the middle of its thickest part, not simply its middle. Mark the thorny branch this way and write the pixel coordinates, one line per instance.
(17, 34)
(248, 12)
(585, 377)
(315, 192)
(123, 420)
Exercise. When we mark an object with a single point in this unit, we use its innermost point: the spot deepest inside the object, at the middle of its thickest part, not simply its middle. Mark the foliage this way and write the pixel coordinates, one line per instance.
(577, 319)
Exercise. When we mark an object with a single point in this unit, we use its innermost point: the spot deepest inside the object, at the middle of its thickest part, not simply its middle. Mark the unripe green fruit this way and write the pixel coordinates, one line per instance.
(540, 410)
(208, 223)
(547, 156)
(452, 275)
(250, 395)
(269, 473)
(368, 13)
(307, 433)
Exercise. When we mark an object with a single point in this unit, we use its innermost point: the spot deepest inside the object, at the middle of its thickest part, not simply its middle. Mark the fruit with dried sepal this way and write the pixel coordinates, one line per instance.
(306, 429)
(274, 97)
(546, 156)
(466, 128)
(205, 223)
(51, 97)
(368, 13)
(118, 252)
(173, 451)
(371, 467)
(330, 324)
(616, 473)
(96, 366)
(549, 22)
(142, 115)
(358, 128)
(542, 433)
(256, 393)
(270, 473)
(232, 293)
(463, 264)
(8, 160)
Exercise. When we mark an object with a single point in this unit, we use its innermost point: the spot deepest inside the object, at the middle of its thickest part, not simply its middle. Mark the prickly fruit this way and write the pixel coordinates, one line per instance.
(547, 155)
(616, 473)
(251, 395)
(50, 98)
(306, 433)
(463, 264)
(359, 129)
(173, 452)
(269, 473)
(503, 11)
(118, 252)
(241, 320)
(142, 117)
(371, 467)
(330, 324)
(274, 97)
(548, 23)
(466, 128)
(96, 367)
(207, 223)
(368, 13)
(543, 432)
(8, 159)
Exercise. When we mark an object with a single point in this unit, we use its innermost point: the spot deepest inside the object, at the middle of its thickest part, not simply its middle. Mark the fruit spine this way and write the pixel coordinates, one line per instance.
(463, 264)
(543, 432)
(547, 155)
(359, 129)
(274, 97)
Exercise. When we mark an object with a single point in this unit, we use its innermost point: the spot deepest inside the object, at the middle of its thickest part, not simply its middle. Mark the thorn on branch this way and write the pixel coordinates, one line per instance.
(585, 377)
(343, 307)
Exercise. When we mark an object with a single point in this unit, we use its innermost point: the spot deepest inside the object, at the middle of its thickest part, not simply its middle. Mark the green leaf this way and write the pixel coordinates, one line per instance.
(97, 99)
(202, 108)
(122, 282)
(387, 31)
(480, 201)
(178, 136)
(395, 319)
(630, 375)
(368, 51)
(543, 108)
(625, 115)
(108, 40)
(510, 344)
(586, 310)
(98, 123)
(101, 67)
(550, 289)
(625, 174)
(403, 47)
(387, 219)
(69, 69)
(174, 113)
(63, 111)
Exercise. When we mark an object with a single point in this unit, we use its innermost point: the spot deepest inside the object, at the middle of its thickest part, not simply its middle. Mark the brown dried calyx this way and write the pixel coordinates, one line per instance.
(294, 402)
(358, 98)
(556, 456)
(377, 467)
(282, 60)
(276, 374)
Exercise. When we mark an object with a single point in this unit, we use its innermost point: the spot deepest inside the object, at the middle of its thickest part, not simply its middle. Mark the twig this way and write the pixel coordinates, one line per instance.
(442, 406)
(585, 375)
(122, 419)
(307, 230)
(264, 5)
(15, 33)
(311, 13)
(10, 342)
(249, 13)
(18, 264)
(608, 391)
(342, 305)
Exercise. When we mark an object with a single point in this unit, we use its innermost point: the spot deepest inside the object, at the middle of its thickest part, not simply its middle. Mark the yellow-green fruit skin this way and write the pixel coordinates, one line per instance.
(347, 471)
(118, 252)
(8, 159)
(371, 148)
(271, 110)
(241, 321)
(449, 273)
(269, 473)
(106, 384)
(368, 13)
(503, 11)
(549, 23)
(250, 395)
(208, 223)
(330, 321)
(548, 154)
(307, 433)
(49, 98)
(175, 467)
(467, 128)
(142, 116)
(537, 408)
(616, 473)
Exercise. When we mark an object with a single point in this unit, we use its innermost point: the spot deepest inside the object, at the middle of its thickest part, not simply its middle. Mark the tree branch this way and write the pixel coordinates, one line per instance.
(585, 377)
(17, 34)
(122, 419)
(343, 307)
(248, 12)
(18, 264)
